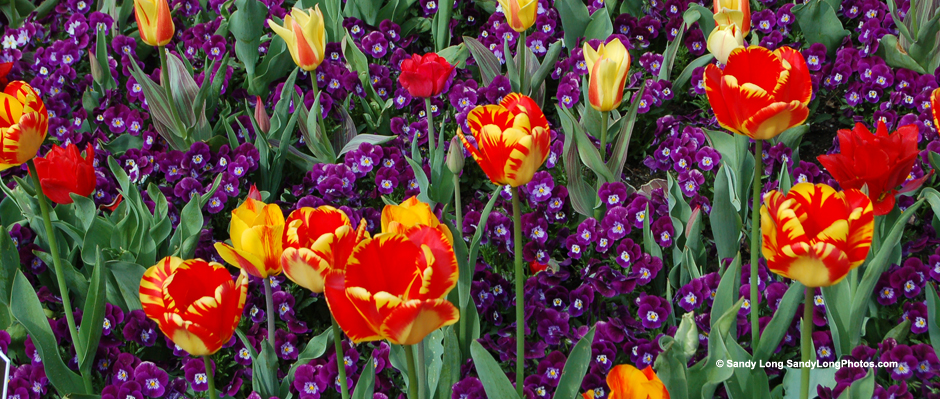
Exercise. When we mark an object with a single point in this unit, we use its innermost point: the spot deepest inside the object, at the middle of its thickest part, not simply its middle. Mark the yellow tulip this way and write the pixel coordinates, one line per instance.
(257, 238)
(608, 65)
(154, 21)
(736, 12)
(412, 212)
(305, 37)
(723, 40)
(520, 14)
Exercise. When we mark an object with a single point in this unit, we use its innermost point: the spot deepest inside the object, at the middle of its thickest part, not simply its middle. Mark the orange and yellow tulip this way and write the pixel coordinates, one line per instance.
(412, 212)
(195, 303)
(628, 382)
(257, 238)
(736, 12)
(24, 123)
(305, 35)
(760, 93)
(935, 107)
(609, 66)
(815, 234)
(317, 242)
(395, 286)
(512, 138)
(520, 14)
(154, 21)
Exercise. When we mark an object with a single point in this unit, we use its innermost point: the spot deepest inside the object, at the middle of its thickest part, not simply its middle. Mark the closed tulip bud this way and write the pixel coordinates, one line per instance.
(733, 11)
(520, 14)
(261, 116)
(608, 65)
(305, 36)
(455, 158)
(154, 21)
(723, 40)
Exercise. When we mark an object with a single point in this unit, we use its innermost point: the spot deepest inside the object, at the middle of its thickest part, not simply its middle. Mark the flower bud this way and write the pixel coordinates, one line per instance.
(261, 116)
(455, 158)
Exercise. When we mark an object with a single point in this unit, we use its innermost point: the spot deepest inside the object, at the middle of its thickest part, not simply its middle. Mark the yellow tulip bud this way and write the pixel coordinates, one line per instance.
(609, 66)
(305, 36)
(520, 14)
(723, 40)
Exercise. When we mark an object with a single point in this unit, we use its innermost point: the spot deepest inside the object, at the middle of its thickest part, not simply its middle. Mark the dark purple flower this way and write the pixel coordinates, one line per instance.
(663, 231)
(152, 379)
(540, 187)
(553, 326)
(615, 223)
(652, 310)
(906, 362)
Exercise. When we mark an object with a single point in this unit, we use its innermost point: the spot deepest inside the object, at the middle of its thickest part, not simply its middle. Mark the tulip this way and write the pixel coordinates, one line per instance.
(815, 234)
(399, 219)
(760, 93)
(609, 66)
(723, 40)
(395, 286)
(317, 242)
(879, 160)
(195, 303)
(628, 382)
(425, 76)
(257, 238)
(455, 158)
(736, 12)
(305, 36)
(154, 21)
(5, 68)
(63, 171)
(513, 139)
(935, 107)
(24, 123)
(520, 14)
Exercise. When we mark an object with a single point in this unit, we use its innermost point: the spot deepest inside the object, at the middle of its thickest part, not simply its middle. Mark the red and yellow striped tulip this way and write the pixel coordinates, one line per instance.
(760, 93)
(512, 138)
(154, 21)
(395, 286)
(935, 107)
(305, 35)
(412, 212)
(815, 234)
(317, 242)
(24, 123)
(195, 303)
(256, 231)
(628, 382)
(520, 14)
(609, 66)
(736, 12)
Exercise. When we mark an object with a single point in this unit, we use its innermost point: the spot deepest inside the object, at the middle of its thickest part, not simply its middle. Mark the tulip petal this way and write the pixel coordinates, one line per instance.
(756, 65)
(151, 285)
(306, 225)
(793, 84)
(518, 104)
(772, 120)
(411, 321)
(304, 267)
(240, 259)
(264, 241)
(935, 107)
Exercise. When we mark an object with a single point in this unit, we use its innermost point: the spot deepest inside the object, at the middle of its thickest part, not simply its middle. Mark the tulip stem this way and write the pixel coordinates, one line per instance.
(209, 377)
(605, 119)
(422, 370)
(521, 53)
(59, 273)
(412, 380)
(520, 286)
(269, 298)
(755, 242)
(458, 208)
(431, 143)
(340, 357)
(806, 341)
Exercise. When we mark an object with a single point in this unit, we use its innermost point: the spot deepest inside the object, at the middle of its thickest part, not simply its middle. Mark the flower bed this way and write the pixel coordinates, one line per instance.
(244, 194)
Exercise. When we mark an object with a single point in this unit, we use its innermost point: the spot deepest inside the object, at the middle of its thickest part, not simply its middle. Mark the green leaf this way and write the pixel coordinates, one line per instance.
(669, 60)
(422, 179)
(780, 322)
(127, 276)
(574, 21)
(89, 334)
(495, 382)
(576, 367)
(618, 158)
(548, 64)
(583, 196)
(456, 55)
(861, 389)
(475, 244)
(247, 24)
(485, 59)
(934, 159)
(933, 316)
(264, 369)
(839, 316)
(315, 348)
(187, 233)
(894, 57)
(589, 154)
(450, 370)
(9, 264)
(817, 377)
(702, 15)
(374, 139)
(686, 74)
(819, 24)
(727, 289)
(365, 387)
(25, 307)
(440, 26)
(433, 359)
(600, 26)
(98, 236)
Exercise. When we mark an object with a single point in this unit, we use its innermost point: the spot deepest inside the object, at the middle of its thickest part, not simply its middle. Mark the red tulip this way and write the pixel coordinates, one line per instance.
(63, 171)
(882, 161)
(935, 107)
(425, 76)
(5, 68)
